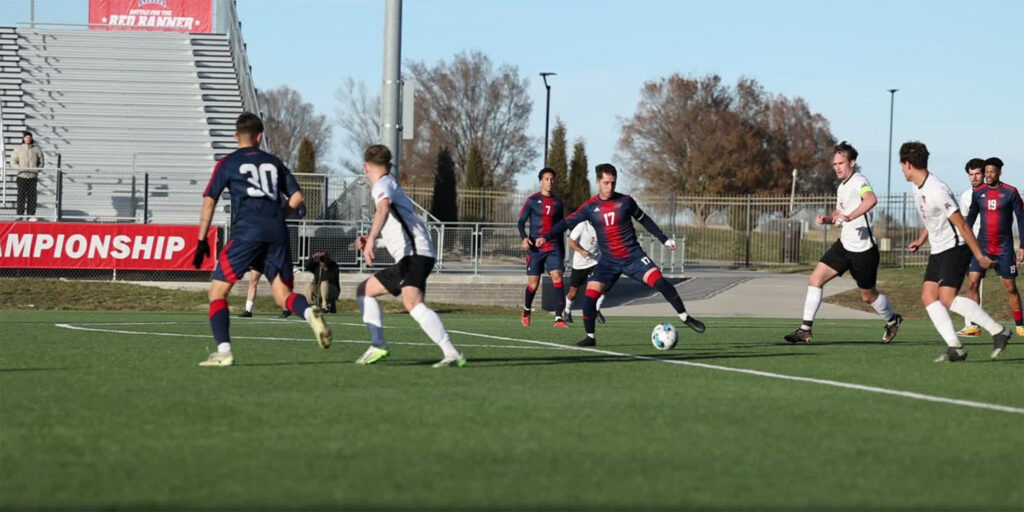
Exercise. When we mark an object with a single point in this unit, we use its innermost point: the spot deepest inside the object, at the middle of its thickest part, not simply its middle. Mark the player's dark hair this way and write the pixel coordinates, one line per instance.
(378, 154)
(248, 124)
(544, 171)
(915, 153)
(846, 149)
(603, 169)
(997, 163)
(974, 163)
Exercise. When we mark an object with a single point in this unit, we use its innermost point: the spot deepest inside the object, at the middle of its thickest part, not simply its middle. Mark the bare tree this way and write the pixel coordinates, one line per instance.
(358, 116)
(287, 120)
(465, 102)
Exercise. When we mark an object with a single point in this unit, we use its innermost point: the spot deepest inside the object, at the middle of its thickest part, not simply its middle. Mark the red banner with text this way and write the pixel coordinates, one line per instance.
(159, 15)
(100, 246)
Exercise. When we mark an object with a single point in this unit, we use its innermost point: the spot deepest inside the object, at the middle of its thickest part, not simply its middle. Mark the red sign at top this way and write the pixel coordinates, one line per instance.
(158, 15)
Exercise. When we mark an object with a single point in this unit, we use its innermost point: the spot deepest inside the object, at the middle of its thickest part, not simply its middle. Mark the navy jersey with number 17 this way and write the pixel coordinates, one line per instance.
(255, 180)
(613, 222)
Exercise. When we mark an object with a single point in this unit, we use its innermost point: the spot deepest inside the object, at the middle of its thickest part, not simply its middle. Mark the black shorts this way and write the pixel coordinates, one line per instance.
(579, 276)
(949, 267)
(863, 266)
(409, 271)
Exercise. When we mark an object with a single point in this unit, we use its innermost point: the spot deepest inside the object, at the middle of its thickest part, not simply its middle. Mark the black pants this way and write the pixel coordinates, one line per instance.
(27, 195)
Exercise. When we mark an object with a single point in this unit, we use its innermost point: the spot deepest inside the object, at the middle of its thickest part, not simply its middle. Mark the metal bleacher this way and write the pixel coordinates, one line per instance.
(114, 106)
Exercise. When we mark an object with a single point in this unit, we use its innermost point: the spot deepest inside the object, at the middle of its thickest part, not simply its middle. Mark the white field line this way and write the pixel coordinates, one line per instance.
(846, 385)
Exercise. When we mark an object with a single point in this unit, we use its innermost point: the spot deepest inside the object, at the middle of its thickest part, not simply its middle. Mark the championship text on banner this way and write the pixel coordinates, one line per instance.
(161, 15)
(100, 246)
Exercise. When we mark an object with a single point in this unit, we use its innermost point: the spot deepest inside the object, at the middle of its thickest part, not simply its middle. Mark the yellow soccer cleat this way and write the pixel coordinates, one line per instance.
(970, 331)
(218, 359)
(1020, 330)
(458, 362)
(372, 355)
(320, 329)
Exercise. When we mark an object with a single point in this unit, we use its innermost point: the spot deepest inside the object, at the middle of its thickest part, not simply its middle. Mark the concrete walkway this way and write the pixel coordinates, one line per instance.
(745, 294)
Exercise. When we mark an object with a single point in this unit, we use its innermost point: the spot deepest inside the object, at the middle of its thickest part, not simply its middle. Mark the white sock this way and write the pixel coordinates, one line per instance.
(943, 323)
(308, 314)
(811, 305)
(600, 300)
(371, 311)
(224, 348)
(248, 306)
(432, 325)
(972, 312)
(881, 305)
(683, 316)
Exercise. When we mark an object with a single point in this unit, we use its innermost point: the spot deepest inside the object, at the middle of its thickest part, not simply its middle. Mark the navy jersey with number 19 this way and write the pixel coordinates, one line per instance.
(997, 206)
(256, 181)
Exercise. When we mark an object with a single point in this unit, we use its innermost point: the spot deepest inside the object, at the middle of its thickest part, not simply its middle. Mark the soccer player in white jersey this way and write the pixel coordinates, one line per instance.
(854, 251)
(583, 242)
(975, 169)
(952, 243)
(409, 243)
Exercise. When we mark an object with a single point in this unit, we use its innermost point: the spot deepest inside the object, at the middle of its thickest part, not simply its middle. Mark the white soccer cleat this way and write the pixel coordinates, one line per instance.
(458, 362)
(320, 329)
(219, 359)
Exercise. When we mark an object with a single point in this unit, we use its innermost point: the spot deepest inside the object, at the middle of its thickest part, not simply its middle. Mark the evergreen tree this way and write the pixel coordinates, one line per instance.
(558, 159)
(444, 205)
(476, 179)
(579, 185)
(307, 156)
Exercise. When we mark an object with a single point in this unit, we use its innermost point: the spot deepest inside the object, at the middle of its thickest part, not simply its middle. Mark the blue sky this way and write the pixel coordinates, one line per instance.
(958, 65)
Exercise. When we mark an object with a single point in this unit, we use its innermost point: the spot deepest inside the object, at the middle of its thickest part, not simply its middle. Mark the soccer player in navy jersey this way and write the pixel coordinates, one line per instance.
(543, 210)
(259, 235)
(612, 215)
(996, 203)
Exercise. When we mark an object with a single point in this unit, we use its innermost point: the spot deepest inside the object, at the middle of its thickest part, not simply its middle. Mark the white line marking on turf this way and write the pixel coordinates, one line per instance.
(271, 338)
(825, 382)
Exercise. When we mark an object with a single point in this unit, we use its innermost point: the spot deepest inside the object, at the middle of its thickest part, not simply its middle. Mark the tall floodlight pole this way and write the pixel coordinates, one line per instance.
(888, 182)
(547, 114)
(391, 91)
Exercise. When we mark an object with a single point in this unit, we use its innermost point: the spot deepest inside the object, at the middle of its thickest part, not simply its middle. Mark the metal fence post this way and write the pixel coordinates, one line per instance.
(135, 209)
(60, 194)
(145, 198)
(476, 247)
(903, 230)
(749, 232)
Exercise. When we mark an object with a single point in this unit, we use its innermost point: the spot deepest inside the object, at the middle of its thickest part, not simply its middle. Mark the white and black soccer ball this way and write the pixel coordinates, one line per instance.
(664, 336)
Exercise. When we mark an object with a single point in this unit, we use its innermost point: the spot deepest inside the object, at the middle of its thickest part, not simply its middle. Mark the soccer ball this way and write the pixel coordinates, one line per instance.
(664, 336)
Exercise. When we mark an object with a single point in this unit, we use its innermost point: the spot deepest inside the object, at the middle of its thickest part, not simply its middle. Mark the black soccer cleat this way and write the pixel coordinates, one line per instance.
(694, 324)
(799, 336)
(245, 314)
(285, 313)
(999, 342)
(587, 342)
(952, 355)
(891, 328)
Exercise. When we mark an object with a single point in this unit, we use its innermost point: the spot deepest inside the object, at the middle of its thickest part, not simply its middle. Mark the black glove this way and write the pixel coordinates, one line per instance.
(202, 251)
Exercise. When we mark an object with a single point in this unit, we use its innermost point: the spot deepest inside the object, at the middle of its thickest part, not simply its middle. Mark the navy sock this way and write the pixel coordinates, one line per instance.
(220, 321)
(590, 311)
(297, 304)
(656, 281)
(560, 293)
(530, 293)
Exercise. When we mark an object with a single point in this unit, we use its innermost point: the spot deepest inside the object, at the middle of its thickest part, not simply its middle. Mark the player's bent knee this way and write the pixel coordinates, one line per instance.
(361, 289)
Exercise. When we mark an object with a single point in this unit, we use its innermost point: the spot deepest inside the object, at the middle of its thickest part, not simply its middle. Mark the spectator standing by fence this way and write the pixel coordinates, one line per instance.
(27, 159)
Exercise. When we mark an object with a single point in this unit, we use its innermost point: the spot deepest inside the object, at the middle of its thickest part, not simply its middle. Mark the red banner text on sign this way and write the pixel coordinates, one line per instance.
(100, 246)
(159, 15)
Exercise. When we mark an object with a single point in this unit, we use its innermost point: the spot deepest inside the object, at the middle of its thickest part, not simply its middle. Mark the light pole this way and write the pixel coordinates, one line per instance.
(888, 182)
(547, 114)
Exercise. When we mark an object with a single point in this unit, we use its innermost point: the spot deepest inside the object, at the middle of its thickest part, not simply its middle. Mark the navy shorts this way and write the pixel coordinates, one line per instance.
(537, 261)
(608, 270)
(273, 259)
(1006, 265)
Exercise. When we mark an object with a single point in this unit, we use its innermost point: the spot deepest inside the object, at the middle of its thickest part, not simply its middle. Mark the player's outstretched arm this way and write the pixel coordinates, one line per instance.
(295, 201)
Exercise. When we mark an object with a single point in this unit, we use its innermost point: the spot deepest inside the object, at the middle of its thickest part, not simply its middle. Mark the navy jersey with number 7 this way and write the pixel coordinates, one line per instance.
(256, 182)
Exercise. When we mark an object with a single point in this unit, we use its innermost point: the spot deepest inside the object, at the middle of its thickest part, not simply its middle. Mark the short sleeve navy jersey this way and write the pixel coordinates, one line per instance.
(996, 207)
(256, 182)
(542, 212)
(613, 222)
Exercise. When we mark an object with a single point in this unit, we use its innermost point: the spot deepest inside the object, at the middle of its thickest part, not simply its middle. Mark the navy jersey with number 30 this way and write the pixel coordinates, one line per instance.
(256, 181)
